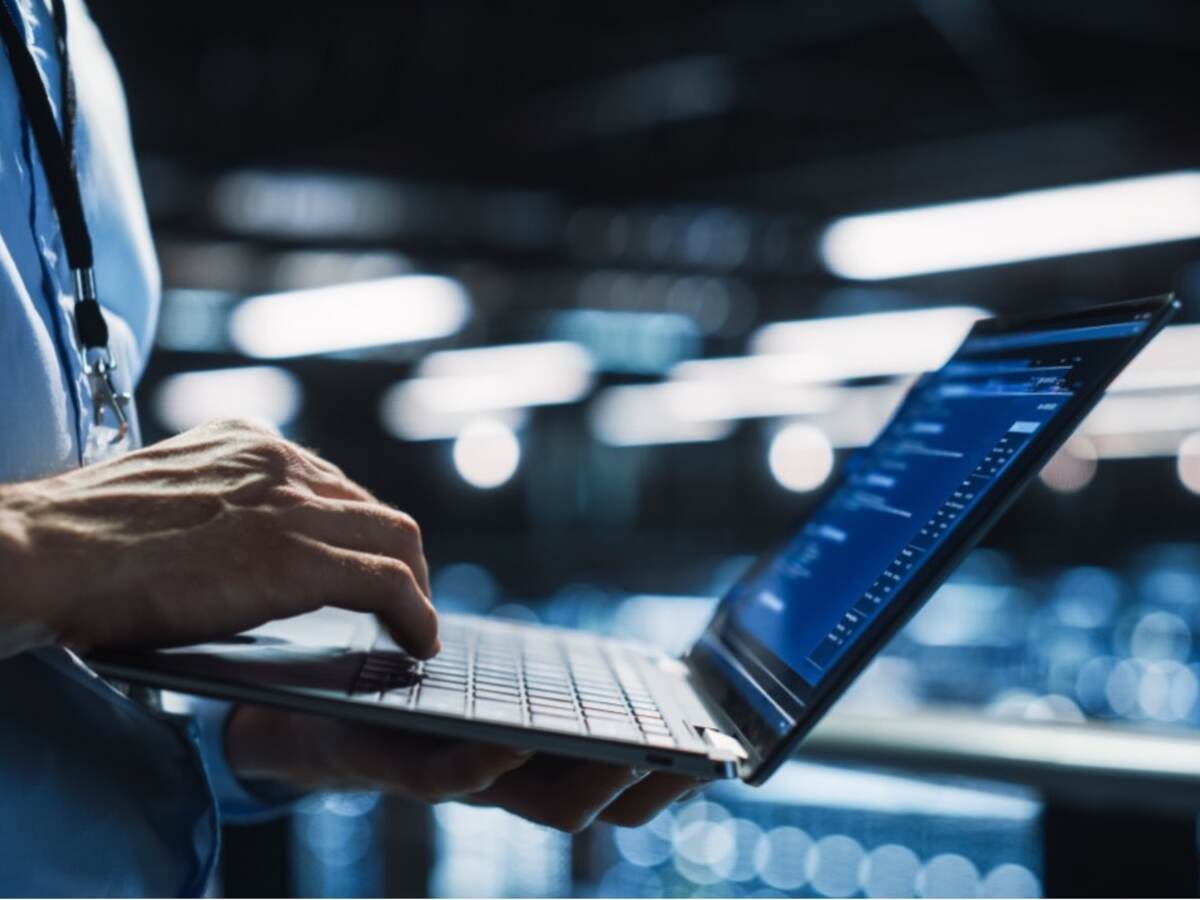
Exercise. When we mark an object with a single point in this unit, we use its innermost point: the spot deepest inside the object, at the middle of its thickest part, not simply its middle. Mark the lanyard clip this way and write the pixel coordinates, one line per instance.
(98, 363)
(99, 367)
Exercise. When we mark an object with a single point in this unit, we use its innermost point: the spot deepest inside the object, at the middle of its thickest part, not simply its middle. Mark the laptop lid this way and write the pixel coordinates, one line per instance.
(790, 636)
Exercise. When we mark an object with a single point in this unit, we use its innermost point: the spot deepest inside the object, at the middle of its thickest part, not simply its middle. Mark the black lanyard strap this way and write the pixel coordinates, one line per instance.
(58, 159)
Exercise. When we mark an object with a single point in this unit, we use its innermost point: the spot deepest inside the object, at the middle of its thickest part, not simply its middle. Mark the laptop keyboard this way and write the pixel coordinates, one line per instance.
(537, 678)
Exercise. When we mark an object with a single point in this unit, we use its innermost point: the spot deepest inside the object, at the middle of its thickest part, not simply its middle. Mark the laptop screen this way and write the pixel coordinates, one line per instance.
(909, 498)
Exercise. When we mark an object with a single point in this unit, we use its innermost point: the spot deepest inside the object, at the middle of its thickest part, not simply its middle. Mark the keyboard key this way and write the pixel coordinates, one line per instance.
(552, 707)
(437, 665)
(597, 682)
(613, 703)
(490, 682)
(497, 690)
(611, 714)
(500, 663)
(555, 667)
(499, 712)
(612, 698)
(453, 677)
(438, 700)
(551, 696)
(497, 663)
(561, 684)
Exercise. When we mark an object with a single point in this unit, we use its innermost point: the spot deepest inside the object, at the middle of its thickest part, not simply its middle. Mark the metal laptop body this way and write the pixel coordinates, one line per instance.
(786, 640)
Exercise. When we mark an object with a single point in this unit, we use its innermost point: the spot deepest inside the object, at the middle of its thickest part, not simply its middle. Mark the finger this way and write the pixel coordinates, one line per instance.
(369, 527)
(432, 769)
(324, 575)
(644, 801)
(468, 768)
(567, 799)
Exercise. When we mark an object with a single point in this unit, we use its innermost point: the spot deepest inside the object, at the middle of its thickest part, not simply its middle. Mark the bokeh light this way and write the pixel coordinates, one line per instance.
(487, 454)
(800, 457)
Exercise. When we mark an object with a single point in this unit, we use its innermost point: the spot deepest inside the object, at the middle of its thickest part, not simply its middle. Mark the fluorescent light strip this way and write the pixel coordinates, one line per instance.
(352, 316)
(548, 360)
(188, 399)
(1107, 215)
(1171, 360)
(891, 343)
(647, 414)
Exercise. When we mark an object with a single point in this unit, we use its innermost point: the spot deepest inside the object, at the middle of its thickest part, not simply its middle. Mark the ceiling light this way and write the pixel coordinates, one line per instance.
(189, 399)
(891, 343)
(352, 316)
(1038, 224)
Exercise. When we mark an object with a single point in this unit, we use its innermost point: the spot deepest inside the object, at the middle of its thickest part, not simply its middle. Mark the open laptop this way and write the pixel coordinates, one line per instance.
(785, 641)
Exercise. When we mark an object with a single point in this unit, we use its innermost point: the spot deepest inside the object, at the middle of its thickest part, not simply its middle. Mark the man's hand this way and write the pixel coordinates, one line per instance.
(215, 531)
(310, 752)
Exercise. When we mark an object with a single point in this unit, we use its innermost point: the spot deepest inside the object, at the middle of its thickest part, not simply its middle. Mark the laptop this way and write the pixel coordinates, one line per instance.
(783, 644)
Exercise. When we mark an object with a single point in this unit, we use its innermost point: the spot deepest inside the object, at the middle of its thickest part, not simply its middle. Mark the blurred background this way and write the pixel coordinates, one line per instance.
(526, 270)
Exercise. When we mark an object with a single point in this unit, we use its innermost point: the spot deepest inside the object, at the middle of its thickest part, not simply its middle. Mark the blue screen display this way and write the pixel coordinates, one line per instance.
(952, 439)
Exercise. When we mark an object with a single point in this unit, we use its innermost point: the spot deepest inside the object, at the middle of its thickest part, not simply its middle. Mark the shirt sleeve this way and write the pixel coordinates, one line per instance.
(239, 800)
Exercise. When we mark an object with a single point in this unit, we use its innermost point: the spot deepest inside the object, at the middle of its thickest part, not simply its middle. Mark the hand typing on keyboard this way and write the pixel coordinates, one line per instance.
(318, 753)
(214, 531)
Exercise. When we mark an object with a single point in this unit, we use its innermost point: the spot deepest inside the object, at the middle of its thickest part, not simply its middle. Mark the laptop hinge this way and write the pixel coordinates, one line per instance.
(726, 747)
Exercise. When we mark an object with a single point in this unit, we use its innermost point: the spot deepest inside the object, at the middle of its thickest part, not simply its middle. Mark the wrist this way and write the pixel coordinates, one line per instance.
(24, 623)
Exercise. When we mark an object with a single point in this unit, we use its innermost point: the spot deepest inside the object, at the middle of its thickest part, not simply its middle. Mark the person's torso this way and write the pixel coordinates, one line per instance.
(45, 402)
(101, 796)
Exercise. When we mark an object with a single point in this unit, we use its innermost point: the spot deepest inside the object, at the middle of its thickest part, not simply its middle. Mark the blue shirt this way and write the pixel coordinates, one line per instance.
(99, 795)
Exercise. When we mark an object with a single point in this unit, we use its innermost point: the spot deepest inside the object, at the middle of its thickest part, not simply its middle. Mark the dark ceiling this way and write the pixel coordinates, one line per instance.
(815, 106)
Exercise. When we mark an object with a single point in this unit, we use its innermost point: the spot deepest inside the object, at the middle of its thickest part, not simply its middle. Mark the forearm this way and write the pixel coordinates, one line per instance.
(23, 626)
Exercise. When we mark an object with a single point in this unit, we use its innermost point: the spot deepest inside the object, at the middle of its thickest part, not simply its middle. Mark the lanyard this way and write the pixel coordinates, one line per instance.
(57, 152)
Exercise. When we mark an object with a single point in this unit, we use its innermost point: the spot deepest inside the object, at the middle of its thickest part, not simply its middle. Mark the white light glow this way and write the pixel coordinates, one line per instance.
(1072, 468)
(1135, 446)
(891, 343)
(746, 387)
(1144, 414)
(1170, 360)
(353, 316)
(1084, 218)
(800, 457)
(404, 415)
(190, 399)
(506, 377)
(1189, 462)
(309, 204)
(487, 454)
(455, 387)
(645, 414)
